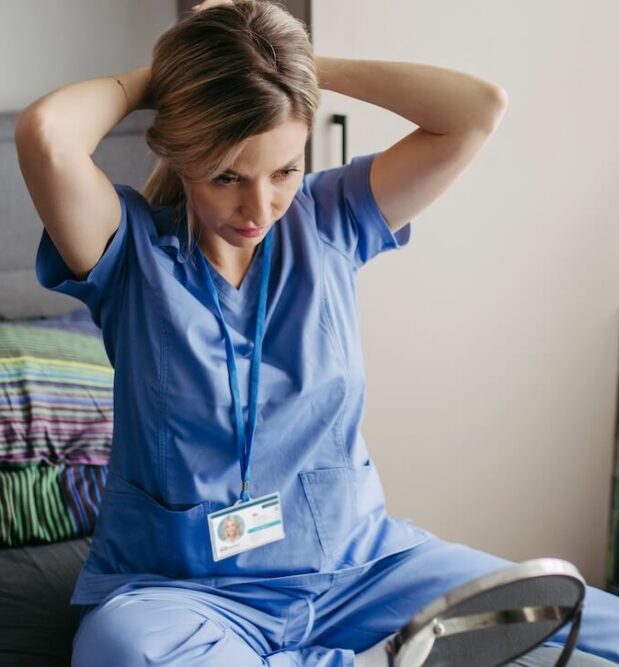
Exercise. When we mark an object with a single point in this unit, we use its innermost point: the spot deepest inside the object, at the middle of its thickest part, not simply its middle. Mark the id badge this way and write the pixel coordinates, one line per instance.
(246, 526)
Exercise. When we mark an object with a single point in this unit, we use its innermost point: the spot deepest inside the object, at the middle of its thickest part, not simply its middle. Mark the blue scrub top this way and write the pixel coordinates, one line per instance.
(174, 456)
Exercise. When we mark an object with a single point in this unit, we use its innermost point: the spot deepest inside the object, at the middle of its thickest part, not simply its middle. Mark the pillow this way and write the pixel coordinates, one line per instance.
(55, 392)
(56, 418)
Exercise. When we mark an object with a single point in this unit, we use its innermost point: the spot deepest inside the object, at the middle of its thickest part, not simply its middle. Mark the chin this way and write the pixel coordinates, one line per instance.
(241, 242)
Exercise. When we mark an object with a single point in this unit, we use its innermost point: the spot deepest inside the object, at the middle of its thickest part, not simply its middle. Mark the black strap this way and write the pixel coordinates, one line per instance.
(571, 640)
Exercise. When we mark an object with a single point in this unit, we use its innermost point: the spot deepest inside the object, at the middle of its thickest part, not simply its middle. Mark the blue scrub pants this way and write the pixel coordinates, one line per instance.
(290, 622)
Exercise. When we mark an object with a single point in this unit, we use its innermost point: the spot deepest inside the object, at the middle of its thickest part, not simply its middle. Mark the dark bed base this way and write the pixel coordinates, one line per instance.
(37, 623)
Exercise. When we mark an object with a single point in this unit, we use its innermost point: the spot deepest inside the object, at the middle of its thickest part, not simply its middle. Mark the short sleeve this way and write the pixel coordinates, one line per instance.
(347, 215)
(105, 279)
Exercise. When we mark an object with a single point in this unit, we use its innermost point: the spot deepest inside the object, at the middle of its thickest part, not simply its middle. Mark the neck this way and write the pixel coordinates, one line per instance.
(225, 257)
(232, 263)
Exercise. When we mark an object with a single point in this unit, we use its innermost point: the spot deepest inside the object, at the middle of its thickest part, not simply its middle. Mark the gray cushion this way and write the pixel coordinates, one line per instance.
(37, 623)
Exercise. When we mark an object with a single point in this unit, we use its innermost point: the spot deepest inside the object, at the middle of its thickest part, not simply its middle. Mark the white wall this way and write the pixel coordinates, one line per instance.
(491, 342)
(49, 43)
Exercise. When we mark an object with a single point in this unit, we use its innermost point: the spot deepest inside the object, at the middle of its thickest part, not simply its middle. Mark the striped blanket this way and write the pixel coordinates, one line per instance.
(55, 397)
(56, 417)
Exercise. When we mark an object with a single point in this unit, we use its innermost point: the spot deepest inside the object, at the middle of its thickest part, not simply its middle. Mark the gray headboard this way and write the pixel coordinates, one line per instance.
(126, 159)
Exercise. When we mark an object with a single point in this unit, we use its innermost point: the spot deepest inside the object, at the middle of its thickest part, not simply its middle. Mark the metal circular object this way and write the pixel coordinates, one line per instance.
(494, 619)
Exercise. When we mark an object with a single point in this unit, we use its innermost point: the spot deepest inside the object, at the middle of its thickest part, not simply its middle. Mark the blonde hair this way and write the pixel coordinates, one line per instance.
(219, 77)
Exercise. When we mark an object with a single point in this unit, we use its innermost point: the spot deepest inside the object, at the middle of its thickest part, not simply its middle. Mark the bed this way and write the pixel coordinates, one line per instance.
(52, 458)
(55, 417)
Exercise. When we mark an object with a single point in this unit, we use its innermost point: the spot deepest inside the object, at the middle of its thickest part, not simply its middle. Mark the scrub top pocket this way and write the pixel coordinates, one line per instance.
(141, 535)
(340, 500)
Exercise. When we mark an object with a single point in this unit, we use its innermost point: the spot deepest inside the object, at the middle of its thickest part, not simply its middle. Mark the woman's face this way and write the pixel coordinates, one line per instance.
(231, 529)
(255, 192)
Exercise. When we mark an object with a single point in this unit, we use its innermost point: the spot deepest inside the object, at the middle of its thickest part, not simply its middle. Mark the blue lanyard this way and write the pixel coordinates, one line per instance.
(245, 437)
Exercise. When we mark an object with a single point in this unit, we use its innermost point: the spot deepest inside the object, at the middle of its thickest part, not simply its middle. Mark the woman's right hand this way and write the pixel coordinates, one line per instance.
(209, 4)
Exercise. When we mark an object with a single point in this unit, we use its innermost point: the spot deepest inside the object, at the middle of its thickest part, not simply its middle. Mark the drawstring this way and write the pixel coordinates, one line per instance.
(311, 616)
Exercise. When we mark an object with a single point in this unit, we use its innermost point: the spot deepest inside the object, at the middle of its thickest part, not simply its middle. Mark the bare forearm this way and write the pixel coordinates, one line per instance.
(79, 115)
(437, 99)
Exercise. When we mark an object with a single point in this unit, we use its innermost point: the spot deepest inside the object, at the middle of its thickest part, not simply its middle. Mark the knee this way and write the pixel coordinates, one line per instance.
(102, 638)
(128, 631)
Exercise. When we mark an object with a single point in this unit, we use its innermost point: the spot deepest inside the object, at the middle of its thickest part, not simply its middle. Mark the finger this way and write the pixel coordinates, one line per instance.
(207, 4)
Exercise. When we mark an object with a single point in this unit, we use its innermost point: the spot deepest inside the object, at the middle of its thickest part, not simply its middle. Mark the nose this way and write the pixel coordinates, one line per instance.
(257, 204)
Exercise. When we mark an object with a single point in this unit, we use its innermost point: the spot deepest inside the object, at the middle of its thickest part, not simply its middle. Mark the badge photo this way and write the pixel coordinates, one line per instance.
(245, 526)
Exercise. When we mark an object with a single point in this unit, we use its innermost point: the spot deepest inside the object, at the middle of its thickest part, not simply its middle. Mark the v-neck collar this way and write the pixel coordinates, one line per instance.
(173, 235)
(248, 289)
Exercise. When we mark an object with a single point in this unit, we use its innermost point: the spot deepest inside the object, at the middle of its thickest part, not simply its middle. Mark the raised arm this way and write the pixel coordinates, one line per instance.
(456, 114)
(55, 137)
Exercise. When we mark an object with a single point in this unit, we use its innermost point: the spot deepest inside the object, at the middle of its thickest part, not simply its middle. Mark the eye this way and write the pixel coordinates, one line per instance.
(288, 172)
(226, 179)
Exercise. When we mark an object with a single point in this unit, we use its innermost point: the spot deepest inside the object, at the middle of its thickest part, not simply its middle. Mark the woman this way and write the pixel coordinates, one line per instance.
(232, 529)
(226, 297)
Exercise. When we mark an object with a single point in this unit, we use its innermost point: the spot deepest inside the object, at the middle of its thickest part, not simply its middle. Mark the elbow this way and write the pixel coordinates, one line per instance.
(497, 103)
(32, 124)
(500, 100)
(33, 132)
(501, 96)
(23, 127)
(27, 126)
(24, 135)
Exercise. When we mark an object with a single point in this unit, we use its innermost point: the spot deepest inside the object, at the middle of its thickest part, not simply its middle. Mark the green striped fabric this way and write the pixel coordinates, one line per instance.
(16, 339)
(32, 507)
(46, 504)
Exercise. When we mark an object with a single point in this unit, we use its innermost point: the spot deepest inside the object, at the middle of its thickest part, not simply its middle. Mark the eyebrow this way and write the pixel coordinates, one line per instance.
(231, 172)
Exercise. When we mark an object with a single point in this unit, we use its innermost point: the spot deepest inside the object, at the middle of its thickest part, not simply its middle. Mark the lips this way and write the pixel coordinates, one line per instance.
(250, 231)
